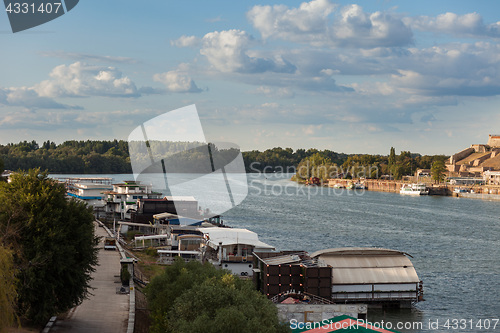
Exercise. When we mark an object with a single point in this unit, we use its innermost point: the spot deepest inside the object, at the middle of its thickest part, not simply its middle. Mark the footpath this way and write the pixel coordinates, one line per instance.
(105, 311)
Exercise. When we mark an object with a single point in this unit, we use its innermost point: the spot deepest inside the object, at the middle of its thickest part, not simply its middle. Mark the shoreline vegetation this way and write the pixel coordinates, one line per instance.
(42, 272)
(112, 157)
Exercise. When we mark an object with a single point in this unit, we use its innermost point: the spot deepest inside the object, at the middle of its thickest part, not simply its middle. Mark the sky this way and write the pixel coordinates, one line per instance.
(353, 77)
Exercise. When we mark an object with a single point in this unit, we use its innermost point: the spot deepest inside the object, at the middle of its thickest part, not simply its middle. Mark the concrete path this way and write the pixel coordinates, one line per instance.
(106, 311)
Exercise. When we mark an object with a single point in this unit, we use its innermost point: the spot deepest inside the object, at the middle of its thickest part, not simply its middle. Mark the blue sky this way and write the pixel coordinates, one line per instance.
(354, 77)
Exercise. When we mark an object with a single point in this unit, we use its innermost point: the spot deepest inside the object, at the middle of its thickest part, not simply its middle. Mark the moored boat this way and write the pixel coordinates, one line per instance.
(414, 189)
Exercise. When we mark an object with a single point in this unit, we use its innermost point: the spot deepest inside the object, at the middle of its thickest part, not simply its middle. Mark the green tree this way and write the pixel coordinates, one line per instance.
(197, 297)
(437, 171)
(392, 156)
(56, 249)
(316, 165)
(8, 292)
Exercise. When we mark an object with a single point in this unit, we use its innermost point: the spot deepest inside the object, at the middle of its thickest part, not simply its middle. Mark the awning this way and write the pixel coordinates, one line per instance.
(233, 236)
(340, 324)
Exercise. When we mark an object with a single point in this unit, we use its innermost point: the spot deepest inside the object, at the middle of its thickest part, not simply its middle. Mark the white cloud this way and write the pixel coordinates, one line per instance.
(312, 23)
(88, 57)
(81, 80)
(468, 25)
(357, 28)
(29, 98)
(70, 119)
(176, 81)
(312, 129)
(186, 41)
(297, 24)
(227, 52)
(274, 92)
(453, 69)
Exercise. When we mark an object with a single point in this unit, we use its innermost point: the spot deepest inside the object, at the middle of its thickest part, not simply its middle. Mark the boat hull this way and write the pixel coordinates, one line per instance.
(414, 189)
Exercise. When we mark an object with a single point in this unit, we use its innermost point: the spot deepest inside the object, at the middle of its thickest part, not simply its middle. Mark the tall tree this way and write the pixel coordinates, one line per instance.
(437, 171)
(56, 249)
(7, 288)
(392, 157)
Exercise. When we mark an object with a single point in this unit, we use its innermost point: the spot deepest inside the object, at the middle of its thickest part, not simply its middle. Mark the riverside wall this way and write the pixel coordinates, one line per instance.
(482, 191)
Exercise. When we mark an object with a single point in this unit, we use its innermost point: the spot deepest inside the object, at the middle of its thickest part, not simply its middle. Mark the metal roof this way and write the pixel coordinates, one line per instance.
(232, 236)
(179, 198)
(358, 251)
(282, 260)
(368, 265)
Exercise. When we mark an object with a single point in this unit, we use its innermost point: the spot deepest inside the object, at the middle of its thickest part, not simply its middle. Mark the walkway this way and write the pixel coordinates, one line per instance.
(105, 311)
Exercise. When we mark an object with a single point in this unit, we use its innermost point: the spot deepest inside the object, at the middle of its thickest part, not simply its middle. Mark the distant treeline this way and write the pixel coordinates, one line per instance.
(283, 160)
(108, 157)
(78, 157)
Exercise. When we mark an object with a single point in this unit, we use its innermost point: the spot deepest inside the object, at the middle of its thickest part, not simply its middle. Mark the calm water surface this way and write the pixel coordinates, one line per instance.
(454, 242)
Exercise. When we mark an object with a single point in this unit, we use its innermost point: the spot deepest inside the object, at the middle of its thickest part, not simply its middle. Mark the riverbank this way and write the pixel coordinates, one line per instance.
(484, 192)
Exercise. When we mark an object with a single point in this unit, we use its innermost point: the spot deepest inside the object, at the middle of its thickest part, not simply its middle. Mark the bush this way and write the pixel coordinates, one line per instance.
(195, 297)
(125, 275)
(151, 251)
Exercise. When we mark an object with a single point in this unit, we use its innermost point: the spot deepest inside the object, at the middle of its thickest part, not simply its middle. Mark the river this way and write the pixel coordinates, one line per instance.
(454, 243)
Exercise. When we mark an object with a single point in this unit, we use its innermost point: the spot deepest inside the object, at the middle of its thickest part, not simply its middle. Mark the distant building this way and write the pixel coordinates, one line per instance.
(122, 200)
(89, 190)
(478, 158)
(494, 141)
(491, 177)
(178, 205)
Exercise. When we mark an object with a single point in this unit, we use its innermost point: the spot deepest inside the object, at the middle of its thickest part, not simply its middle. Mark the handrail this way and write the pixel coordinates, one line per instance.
(131, 311)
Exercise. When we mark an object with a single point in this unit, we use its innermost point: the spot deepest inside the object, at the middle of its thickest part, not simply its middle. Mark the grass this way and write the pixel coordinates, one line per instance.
(147, 265)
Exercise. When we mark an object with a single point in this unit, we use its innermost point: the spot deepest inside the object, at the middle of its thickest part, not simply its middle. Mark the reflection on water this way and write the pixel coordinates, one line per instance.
(454, 242)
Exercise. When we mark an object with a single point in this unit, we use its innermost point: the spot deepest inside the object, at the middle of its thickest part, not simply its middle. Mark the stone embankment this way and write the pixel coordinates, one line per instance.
(480, 191)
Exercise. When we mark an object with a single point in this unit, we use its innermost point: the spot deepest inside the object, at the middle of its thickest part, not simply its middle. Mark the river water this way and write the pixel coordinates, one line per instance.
(454, 243)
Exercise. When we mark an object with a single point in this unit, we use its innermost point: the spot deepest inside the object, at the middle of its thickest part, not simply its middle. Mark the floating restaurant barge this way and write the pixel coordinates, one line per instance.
(344, 275)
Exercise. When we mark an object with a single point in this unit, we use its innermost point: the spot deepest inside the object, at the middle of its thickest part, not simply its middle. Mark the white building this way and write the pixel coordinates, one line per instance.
(231, 248)
(491, 177)
(88, 191)
(123, 198)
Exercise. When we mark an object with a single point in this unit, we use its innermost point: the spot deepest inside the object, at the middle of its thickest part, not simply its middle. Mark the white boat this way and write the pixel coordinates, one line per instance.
(414, 189)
